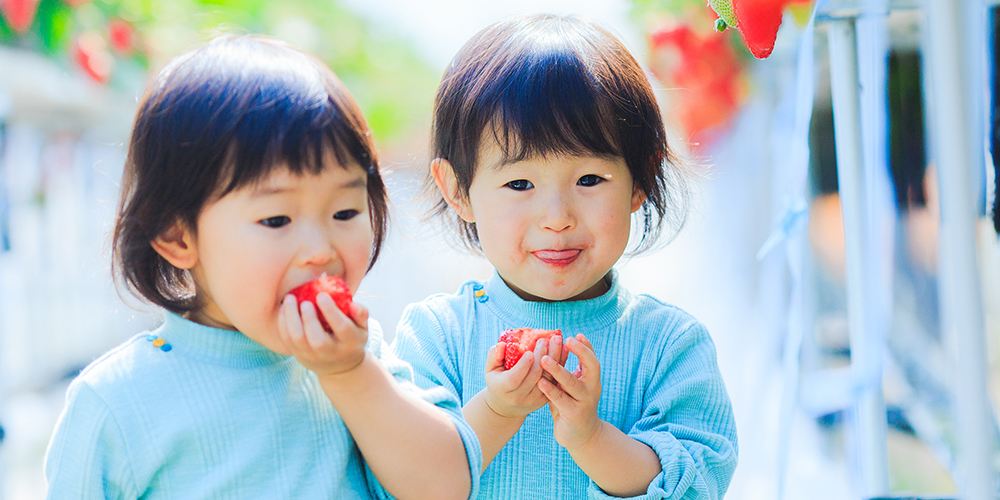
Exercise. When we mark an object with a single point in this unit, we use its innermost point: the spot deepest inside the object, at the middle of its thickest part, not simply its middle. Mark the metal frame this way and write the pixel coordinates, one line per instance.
(957, 157)
(869, 406)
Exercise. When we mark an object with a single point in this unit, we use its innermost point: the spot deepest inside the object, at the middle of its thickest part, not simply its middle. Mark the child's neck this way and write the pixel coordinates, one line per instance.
(596, 290)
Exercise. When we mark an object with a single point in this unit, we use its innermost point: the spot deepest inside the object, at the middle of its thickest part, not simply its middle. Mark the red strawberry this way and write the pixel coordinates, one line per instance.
(19, 13)
(333, 285)
(91, 53)
(707, 67)
(122, 36)
(520, 341)
(757, 20)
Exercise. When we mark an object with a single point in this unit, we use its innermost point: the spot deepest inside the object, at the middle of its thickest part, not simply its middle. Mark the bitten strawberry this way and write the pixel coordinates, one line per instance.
(520, 341)
(333, 285)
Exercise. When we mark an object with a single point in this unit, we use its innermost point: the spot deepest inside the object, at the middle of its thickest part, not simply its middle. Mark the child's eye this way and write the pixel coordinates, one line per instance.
(589, 180)
(275, 222)
(345, 214)
(520, 185)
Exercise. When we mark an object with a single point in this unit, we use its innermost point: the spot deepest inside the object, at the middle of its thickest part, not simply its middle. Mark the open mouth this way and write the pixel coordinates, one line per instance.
(557, 258)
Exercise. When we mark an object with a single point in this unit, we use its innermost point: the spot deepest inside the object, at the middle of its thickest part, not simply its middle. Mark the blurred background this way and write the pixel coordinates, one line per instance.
(761, 260)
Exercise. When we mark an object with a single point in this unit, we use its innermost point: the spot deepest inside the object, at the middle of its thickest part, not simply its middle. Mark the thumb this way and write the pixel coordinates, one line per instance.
(359, 314)
(494, 358)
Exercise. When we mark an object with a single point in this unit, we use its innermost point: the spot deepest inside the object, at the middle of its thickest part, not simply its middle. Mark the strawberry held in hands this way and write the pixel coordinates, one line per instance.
(520, 341)
(333, 285)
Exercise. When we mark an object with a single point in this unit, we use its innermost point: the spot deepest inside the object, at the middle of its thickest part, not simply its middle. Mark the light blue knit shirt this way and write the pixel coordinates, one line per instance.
(214, 416)
(660, 385)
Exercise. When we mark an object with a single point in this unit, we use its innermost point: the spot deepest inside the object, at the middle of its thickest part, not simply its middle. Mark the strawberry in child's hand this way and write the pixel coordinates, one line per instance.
(333, 285)
(520, 341)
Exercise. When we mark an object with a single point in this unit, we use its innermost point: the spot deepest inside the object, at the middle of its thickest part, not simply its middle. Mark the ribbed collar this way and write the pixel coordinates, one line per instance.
(574, 315)
(214, 345)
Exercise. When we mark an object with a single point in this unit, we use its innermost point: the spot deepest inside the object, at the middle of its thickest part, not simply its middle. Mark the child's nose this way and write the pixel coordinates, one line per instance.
(317, 249)
(557, 213)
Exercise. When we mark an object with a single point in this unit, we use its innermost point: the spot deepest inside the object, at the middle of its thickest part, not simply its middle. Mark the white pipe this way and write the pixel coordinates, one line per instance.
(956, 145)
(869, 407)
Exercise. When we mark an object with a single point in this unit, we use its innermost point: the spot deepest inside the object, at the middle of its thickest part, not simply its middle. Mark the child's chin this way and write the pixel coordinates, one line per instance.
(281, 349)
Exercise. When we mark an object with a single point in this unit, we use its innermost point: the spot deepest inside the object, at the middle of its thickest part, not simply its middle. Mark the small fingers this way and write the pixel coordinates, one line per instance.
(519, 372)
(589, 365)
(493, 362)
(282, 318)
(541, 347)
(359, 314)
(334, 317)
(556, 396)
(556, 348)
(567, 382)
(292, 321)
(315, 335)
(348, 330)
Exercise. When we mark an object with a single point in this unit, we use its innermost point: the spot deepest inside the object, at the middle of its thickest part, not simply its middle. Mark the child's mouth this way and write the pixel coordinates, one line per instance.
(557, 258)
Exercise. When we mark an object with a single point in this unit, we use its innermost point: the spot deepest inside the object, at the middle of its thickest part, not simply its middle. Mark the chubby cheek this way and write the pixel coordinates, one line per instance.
(502, 240)
(616, 226)
(255, 286)
(355, 256)
(501, 227)
(354, 249)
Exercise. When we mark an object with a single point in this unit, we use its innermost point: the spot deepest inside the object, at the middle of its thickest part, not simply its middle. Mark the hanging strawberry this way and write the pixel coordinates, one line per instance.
(19, 13)
(757, 20)
(91, 53)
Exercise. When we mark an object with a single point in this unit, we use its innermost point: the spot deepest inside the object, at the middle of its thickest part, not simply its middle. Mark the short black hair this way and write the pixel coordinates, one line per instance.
(543, 85)
(220, 118)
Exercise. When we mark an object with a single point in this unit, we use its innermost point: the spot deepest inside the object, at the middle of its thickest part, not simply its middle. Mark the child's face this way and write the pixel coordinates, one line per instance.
(552, 227)
(256, 244)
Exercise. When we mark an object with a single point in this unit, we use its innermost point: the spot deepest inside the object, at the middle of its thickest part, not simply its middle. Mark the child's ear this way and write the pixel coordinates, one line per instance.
(447, 183)
(177, 246)
(638, 198)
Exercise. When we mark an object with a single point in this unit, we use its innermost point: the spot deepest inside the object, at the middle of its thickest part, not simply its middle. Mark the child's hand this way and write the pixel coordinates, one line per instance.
(318, 350)
(515, 392)
(574, 396)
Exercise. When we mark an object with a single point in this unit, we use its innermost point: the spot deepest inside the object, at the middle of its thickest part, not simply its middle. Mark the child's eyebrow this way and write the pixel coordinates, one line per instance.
(357, 182)
(500, 165)
(270, 190)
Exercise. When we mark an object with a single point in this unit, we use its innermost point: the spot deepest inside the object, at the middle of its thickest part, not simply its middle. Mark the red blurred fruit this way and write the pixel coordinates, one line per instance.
(333, 285)
(121, 33)
(520, 341)
(19, 13)
(704, 74)
(91, 53)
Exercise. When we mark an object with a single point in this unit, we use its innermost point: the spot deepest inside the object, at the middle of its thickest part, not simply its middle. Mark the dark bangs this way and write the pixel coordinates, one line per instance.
(544, 85)
(221, 118)
(541, 105)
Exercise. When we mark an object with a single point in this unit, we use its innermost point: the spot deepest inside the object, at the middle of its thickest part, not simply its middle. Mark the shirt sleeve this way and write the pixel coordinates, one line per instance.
(403, 372)
(422, 341)
(688, 421)
(87, 456)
